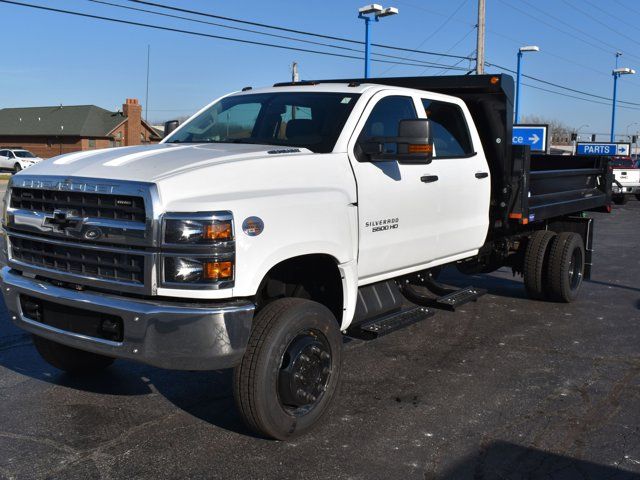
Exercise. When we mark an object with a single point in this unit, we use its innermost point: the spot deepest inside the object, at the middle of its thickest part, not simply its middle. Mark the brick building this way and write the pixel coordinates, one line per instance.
(51, 131)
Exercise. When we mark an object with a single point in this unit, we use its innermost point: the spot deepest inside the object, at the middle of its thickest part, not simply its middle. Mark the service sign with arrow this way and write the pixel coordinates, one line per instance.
(535, 136)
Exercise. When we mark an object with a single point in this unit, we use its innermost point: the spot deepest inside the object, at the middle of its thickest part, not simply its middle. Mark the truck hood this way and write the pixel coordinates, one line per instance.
(156, 162)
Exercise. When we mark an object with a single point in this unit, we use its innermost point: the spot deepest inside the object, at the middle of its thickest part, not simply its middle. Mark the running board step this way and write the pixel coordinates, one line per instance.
(455, 299)
(370, 329)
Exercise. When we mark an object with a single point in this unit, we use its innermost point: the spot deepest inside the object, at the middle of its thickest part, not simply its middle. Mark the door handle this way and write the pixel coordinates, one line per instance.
(482, 175)
(429, 178)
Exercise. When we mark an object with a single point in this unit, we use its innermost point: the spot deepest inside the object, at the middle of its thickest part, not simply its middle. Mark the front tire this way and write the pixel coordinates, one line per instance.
(69, 359)
(291, 369)
(17, 168)
(566, 267)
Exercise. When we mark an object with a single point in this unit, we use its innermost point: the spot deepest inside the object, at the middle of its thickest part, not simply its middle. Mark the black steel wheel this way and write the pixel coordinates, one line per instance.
(566, 267)
(291, 368)
(69, 359)
(304, 372)
(535, 261)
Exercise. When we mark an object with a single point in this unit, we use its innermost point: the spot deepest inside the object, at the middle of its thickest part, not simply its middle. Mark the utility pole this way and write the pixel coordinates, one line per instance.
(480, 42)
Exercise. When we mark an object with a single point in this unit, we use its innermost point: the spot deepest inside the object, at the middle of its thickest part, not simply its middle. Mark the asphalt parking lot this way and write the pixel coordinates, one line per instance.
(502, 388)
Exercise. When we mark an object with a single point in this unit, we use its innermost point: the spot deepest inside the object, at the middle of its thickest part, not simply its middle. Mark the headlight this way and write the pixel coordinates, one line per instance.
(198, 250)
(197, 270)
(198, 229)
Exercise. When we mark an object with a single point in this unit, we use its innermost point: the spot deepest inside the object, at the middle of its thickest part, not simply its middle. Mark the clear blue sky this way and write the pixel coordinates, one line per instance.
(50, 58)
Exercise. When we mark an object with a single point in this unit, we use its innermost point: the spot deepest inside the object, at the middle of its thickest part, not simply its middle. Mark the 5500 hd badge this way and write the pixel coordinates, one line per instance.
(382, 225)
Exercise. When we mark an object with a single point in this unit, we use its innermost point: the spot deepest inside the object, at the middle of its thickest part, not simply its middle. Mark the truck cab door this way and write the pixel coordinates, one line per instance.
(464, 177)
(398, 204)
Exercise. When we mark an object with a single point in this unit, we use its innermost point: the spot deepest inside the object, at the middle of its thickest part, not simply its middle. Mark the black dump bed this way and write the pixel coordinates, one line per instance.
(525, 187)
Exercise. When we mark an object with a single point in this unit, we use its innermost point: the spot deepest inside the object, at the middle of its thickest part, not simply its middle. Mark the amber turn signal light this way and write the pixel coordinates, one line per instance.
(217, 231)
(420, 148)
(218, 270)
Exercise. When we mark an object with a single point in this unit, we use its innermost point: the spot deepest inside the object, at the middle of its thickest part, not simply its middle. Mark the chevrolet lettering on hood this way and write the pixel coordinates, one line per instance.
(66, 185)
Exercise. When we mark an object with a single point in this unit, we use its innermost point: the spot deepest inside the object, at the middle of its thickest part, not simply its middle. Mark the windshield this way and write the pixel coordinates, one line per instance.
(24, 154)
(291, 119)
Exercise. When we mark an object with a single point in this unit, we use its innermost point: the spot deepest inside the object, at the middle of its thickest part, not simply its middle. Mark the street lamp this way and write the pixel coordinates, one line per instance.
(368, 13)
(617, 72)
(521, 50)
(630, 125)
(575, 136)
(580, 128)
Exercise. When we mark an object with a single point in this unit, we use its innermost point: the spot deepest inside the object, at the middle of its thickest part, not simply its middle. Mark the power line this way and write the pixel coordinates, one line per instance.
(546, 50)
(569, 89)
(434, 32)
(207, 35)
(598, 21)
(255, 31)
(616, 18)
(290, 30)
(545, 22)
(562, 94)
(627, 7)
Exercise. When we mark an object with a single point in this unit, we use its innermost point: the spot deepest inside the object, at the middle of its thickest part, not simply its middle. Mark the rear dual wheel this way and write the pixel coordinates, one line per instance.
(554, 266)
(566, 267)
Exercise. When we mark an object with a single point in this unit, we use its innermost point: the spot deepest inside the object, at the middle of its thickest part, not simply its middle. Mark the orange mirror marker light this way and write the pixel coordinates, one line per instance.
(426, 148)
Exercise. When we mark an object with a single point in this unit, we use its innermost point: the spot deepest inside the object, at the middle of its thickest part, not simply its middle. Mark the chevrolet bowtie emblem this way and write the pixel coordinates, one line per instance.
(63, 220)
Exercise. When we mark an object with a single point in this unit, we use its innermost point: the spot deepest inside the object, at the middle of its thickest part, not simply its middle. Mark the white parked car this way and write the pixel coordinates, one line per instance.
(17, 159)
(626, 172)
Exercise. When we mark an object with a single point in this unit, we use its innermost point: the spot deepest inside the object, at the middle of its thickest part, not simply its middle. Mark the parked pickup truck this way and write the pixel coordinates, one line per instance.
(626, 173)
(276, 220)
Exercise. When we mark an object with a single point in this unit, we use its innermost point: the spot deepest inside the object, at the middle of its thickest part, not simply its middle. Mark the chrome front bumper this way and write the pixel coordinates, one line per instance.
(163, 334)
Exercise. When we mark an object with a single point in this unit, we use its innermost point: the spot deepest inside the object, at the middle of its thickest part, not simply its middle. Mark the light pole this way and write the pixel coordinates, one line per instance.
(617, 72)
(630, 138)
(369, 13)
(577, 134)
(630, 125)
(521, 50)
(581, 127)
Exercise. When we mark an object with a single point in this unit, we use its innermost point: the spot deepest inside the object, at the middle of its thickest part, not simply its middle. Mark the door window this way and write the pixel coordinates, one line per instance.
(384, 119)
(449, 129)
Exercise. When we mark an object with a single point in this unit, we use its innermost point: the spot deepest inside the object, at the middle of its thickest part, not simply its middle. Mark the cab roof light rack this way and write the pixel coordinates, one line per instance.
(293, 84)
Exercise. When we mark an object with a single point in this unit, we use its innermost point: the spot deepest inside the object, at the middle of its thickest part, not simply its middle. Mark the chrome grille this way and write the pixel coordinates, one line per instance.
(74, 259)
(92, 205)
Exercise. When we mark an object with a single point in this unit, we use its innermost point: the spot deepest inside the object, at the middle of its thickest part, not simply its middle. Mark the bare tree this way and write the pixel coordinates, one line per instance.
(559, 132)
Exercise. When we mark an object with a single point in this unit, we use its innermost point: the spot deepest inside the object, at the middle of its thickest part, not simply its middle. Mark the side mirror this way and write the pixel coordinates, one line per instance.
(170, 126)
(413, 144)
